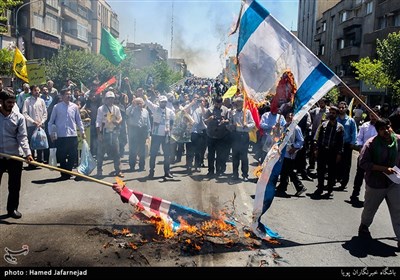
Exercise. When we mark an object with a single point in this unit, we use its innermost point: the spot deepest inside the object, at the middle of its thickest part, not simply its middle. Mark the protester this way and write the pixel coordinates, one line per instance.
(160, 134)
(108, 122)
(64, 120)
(242, 122)
(218, 137)
(349, 141)
(366, 131)
(329, 149)
(379, 156)
(13, 141)
(295, 143)
(139, 128)
(35, 113)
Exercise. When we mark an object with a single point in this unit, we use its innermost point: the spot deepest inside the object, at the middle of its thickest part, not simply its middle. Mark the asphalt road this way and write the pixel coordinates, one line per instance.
(69, 224)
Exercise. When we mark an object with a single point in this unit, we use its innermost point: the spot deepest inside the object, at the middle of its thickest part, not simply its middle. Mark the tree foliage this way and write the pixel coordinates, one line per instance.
(4, 6)
(78, 66)
(6, 62)
(163, 76)
(333, 95)
(383, 72)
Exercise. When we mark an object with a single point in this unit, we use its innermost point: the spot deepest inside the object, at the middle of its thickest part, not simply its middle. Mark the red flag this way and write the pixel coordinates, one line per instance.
(106, 85)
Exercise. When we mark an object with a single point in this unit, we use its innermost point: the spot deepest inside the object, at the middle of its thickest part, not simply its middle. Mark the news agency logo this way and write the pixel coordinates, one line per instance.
(9, 256)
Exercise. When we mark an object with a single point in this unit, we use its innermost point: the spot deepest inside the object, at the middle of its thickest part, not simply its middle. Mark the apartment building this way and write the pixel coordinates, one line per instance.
(41, 27)
(348, 31)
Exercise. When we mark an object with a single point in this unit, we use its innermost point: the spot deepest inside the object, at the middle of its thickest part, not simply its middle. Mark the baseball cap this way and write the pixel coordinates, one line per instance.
(110, 94)
(163, 98)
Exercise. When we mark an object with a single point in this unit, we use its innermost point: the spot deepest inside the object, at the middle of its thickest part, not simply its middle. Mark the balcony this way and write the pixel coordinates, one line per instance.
(352, 22)
(370, 38)
(350, 51)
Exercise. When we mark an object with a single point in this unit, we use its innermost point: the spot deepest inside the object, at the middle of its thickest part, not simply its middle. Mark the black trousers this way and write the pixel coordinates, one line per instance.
(14, 169)
(67, 152)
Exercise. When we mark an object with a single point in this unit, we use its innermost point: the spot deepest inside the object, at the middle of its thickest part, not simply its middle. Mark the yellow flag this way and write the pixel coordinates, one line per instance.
(19, 66)
(230, 92)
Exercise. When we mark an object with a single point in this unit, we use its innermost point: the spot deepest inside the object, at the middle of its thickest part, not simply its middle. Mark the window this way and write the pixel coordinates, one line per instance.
(369, 7)
(341, 44)
(38, 22)
(343, 16)
(324, 26)
(82, 12)
(397, 20)
(82, 32)
(53, 3)
(321, 50)
(382, 22)
(51, 23)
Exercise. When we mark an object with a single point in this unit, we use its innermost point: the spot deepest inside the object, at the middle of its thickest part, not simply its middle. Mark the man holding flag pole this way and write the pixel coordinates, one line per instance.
(266, 51)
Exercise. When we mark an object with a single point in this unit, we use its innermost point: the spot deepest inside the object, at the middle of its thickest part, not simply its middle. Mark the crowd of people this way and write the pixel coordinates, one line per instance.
(195, 121)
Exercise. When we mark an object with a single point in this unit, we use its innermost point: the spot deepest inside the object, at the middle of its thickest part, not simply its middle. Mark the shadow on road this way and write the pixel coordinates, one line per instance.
(361, 247)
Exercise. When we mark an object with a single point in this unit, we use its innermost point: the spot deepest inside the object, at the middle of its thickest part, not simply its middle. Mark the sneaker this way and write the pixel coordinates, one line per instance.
(300, 192)
(363, 232)
(235, 177)
(317, 192)
(168, 175)
(245, 179)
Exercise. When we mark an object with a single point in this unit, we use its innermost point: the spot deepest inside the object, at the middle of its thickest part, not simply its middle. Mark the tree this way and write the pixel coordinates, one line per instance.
(163, 76)
(4, 6)
(6, 62)
(79, 66)
(383, 72)
(333, 95)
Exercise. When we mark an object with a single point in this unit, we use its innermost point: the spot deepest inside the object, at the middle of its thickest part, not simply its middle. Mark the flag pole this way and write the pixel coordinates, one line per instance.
(360, 100)
(57, 169)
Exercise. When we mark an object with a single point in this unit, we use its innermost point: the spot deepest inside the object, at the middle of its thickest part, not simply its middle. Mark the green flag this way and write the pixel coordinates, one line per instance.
(110, 48)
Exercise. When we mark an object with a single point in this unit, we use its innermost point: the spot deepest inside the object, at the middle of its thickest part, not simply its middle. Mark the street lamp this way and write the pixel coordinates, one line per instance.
(16, 15)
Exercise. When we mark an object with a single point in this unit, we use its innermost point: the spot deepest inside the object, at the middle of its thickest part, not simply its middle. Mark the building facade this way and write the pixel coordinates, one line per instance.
(348, 31)
(41, 27)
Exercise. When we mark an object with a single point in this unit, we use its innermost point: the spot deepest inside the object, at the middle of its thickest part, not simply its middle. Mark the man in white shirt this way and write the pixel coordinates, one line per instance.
(108, 121)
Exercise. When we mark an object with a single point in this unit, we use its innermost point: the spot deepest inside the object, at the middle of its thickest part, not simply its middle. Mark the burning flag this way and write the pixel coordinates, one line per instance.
(155, 207)
(267, 51)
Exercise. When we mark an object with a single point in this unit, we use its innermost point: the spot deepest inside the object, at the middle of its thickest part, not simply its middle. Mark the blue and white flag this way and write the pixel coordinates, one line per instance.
(266, 51)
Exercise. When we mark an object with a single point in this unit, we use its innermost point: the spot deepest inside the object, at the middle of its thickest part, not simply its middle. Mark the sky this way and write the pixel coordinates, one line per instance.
(196, 30)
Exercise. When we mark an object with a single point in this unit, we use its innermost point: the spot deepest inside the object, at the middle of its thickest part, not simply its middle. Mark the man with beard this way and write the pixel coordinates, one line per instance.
(64, 120)
(379, 156)
(13, 141)
(329, 149)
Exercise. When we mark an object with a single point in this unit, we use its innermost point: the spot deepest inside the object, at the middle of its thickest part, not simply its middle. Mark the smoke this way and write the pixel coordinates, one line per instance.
(204, 52)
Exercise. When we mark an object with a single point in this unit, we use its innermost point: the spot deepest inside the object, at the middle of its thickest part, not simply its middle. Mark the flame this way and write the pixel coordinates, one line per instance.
(162, 227)
(119, 181)
(132, 245)
(258, 170)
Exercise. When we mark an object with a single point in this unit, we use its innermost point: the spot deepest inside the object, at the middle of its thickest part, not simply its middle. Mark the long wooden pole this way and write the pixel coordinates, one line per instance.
(57, 169)
(360, 100)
